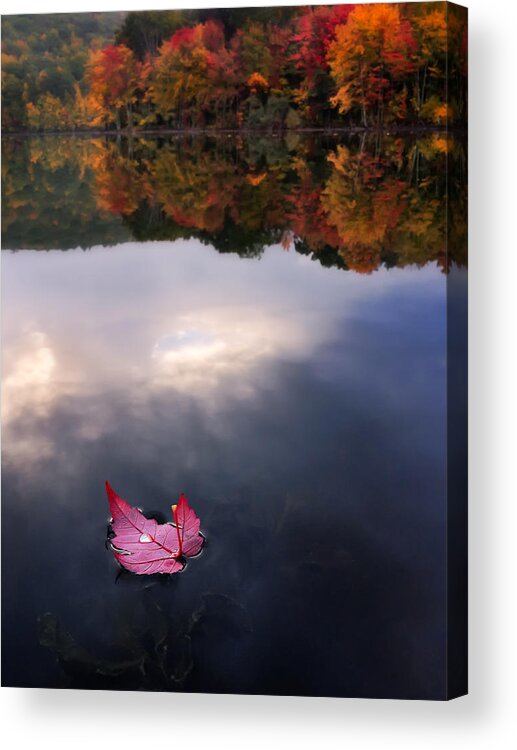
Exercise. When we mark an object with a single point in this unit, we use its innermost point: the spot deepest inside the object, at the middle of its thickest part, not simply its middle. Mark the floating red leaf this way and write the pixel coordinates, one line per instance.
(144, 546)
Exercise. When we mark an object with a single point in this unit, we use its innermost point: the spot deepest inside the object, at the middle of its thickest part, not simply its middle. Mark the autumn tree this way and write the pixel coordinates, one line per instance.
(314, 32)
(440, 81)
(261, 48)
(369, 59)
(47, 54)
(113, 74)
(194, 74)
(266, 68)
(223, 75)
(49, 113)
(144, 31)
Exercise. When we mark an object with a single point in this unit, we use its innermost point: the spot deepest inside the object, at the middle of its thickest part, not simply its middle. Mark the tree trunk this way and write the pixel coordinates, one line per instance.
(423, 87)
(363, 106)
(129, 112)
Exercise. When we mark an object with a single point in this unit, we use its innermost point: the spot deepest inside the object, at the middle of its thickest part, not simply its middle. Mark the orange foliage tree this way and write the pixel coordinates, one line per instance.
(113, 75)
(369, 59)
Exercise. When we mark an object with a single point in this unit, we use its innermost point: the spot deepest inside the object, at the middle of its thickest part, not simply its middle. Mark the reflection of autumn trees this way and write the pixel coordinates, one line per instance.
(378, 206)
(117, 184)
(360, 204)
(48, 197)
(192, 192)
(307, 213)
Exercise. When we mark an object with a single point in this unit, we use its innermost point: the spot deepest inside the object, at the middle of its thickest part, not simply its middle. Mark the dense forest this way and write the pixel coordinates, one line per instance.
(361, 66)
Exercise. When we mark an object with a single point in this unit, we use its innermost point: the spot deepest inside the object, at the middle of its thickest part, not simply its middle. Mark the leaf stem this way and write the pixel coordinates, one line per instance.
(175, 514)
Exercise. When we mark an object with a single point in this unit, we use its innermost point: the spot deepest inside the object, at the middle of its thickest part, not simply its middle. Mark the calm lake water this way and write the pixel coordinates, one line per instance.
(261, 325)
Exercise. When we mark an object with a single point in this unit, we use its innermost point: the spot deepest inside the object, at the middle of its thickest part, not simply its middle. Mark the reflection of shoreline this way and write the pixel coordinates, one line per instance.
(137, 132)
(356, 202)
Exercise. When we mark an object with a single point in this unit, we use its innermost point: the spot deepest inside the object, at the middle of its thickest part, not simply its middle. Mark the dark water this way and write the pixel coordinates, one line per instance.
(263, 327)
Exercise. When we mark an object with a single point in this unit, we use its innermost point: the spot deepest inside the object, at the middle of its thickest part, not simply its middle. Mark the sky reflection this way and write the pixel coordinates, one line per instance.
(176, 317)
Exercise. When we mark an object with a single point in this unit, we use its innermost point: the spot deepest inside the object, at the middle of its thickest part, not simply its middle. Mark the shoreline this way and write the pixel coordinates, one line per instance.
(332, 131)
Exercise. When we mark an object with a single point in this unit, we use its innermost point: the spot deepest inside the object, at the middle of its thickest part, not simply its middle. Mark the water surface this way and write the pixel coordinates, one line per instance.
(263, 327)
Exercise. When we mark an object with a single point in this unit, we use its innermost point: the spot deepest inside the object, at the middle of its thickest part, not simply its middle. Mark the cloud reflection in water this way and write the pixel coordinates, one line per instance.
(174, 317)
